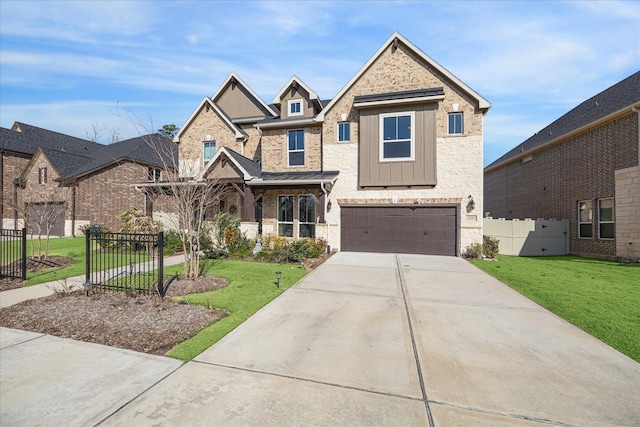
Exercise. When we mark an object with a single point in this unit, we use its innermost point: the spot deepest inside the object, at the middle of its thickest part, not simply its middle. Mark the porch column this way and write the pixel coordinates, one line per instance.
(248, 211)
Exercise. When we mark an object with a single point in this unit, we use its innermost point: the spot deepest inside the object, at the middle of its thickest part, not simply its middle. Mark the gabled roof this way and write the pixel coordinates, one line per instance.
(483, 104)
(247, 167)
(153, 150)
(239, 133)
(295, 81)
(618, 98)
(24, 138)
(234, 79)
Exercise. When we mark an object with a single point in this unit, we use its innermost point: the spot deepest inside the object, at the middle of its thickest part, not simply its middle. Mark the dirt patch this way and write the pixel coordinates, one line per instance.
(140, 323)
(34, 265)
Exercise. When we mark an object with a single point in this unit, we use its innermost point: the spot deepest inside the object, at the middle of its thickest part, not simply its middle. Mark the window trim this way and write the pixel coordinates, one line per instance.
(300, 222)
(289, 151)
(155, 174)
(412, 141)
(455, 113)
(613, 220)
(585, 222)
(293, 102)
(204, 146)
(42, 175)
(293, 211)
(339, 134)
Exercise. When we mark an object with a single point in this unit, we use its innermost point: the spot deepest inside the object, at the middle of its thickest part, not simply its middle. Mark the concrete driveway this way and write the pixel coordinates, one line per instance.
(366, 339)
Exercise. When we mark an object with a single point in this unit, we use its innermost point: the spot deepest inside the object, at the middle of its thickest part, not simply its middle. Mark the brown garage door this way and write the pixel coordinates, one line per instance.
(46, 215)
(414, 230)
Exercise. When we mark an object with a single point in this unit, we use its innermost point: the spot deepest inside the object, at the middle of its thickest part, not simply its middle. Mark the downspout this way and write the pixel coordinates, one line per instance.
(73, 210)
(637, 111)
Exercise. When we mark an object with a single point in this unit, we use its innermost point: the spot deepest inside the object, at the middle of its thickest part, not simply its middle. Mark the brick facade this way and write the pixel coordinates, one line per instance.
(275, 150)
(12, 166)
(552, 182)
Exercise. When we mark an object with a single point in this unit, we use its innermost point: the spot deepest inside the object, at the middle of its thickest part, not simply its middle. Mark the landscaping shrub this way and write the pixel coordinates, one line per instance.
(490, 246)
(172, 242)
(474, 250)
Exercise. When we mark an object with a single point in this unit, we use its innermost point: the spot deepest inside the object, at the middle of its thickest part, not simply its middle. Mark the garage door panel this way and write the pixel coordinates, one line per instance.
(422, 230)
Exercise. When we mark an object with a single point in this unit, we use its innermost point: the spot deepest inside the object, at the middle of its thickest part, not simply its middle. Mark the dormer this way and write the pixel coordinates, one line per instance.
(297, 101)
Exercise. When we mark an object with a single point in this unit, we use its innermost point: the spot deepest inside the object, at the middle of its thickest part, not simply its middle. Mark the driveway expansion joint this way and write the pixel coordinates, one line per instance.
(401, 278)
(308, 380)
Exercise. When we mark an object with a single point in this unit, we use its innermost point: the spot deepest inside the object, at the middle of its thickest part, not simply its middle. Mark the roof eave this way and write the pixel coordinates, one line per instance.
(630, 108)
(421, 99)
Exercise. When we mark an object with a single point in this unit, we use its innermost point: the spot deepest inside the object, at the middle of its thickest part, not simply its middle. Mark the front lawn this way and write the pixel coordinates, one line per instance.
(600, 297)
(251, 287)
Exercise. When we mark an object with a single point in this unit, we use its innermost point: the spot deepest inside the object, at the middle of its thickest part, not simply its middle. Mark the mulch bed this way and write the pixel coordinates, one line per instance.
(141, 323)
(34, 264)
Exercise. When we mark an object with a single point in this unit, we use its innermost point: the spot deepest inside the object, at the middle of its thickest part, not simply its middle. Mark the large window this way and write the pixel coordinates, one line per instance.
(208, 151)
(606, 219)
(296, 147)
(456, 124)
(344, 132)
(585, 219)
(397, 136)
(285, 216)
(295, 108)
(306, 217)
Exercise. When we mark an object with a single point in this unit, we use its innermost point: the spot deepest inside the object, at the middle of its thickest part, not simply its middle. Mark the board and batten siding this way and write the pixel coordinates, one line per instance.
(419, 172)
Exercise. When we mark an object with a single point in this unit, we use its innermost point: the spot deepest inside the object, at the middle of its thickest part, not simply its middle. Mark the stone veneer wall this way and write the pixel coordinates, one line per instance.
(459, 175)
(627, 211)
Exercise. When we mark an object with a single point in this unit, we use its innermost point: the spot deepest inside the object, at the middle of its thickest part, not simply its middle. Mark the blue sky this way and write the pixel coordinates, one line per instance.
(126, 67)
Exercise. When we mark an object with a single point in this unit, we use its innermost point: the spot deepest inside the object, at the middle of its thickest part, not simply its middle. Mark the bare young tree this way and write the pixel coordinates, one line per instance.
(97, 131)
(188, 198)
(43, 216)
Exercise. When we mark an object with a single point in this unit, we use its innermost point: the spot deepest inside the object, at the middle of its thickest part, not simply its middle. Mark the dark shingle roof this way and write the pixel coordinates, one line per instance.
(30, 138)
(251, 167)
(153, 149)
(64, 162)
(405, 94)
(299, 176)
(619, 96)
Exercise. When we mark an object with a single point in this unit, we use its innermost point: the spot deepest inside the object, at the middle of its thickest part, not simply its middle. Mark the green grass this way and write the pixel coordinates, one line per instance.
(251, 287)
(600, 297)
(74, 248)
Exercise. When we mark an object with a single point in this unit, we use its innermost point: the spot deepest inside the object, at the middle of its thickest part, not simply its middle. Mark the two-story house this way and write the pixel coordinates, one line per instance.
(60, 183)
(393, 163)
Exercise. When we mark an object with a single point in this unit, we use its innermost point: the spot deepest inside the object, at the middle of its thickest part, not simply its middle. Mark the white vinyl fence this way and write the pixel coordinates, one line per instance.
(529, 237)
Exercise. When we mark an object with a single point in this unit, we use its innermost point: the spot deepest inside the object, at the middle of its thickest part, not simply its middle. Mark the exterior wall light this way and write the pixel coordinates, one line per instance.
(471, 204)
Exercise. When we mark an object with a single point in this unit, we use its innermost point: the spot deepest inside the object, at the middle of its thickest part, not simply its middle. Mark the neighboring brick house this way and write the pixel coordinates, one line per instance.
(393, 163)
(583, 167)
(69, 182)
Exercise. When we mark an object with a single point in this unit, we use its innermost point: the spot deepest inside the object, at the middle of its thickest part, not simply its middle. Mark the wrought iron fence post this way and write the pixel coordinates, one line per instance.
(87, 257)
(24, 254)
(161, 289)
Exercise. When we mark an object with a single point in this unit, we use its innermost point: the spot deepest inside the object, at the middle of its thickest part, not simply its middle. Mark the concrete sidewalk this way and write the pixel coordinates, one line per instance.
(15, 296)
(365, 339)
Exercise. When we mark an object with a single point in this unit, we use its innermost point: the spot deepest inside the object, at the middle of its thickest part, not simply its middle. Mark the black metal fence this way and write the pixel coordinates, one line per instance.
(13, 254)
(124, 262)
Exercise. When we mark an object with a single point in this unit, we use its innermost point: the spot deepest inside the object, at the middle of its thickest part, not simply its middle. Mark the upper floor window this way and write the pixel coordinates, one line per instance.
(606, 219)
(344, 132)
(155, 174)
(456, 126)
(306, 217)
(585, 219)
(208, 151)
(296, 147)
(397, 136)
(295, 107)
(42, 175)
